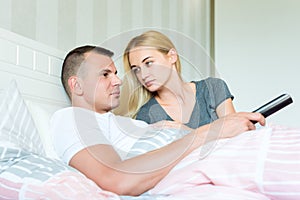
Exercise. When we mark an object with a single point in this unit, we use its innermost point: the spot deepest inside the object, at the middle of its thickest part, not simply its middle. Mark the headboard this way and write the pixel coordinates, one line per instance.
(36, 68)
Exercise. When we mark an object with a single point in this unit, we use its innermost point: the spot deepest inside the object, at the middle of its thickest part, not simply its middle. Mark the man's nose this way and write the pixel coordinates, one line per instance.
(116, 80)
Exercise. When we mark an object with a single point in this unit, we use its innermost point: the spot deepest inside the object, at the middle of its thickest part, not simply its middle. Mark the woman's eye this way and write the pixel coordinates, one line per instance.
(148, 63)
(136, 69)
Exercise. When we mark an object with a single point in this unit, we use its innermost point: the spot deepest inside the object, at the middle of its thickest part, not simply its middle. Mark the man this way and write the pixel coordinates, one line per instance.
(91, 139)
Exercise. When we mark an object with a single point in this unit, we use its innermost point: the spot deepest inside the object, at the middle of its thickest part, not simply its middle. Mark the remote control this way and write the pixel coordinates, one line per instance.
(274, 105)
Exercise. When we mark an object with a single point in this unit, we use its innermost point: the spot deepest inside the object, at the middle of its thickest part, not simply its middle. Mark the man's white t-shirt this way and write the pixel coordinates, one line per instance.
(74, 129)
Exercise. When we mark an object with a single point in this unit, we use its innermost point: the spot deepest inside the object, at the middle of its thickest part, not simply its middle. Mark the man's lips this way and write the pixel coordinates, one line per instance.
(116, 93)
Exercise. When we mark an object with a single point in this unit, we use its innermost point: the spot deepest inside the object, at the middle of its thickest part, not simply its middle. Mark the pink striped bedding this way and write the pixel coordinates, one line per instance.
(24, 175)
(257, 165)
(260, 164)
(66, 185)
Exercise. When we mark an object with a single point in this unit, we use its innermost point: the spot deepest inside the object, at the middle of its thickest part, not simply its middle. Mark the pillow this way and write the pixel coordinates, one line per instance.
(16, 123)
(155, 139)
(41, 117)
(25, 175)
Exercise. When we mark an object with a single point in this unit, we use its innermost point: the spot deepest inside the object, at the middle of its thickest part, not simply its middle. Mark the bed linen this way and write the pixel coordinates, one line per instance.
(253, 165)
(26, 172)
(25, 175)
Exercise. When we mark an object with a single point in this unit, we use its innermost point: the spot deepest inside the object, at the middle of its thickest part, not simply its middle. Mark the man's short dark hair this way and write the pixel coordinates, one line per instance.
(74, 59)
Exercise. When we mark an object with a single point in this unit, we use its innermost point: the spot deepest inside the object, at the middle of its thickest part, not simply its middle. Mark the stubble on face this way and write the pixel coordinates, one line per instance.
(101, 91)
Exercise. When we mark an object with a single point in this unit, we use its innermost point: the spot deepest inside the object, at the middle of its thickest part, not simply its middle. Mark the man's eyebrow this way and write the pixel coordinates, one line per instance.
(108, 71)
(105, 71)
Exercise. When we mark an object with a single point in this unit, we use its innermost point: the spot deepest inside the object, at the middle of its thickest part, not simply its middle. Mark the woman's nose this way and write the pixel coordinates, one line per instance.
(144, 72)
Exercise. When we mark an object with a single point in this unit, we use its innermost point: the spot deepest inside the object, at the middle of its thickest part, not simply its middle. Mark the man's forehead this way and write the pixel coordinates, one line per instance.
(94, 58)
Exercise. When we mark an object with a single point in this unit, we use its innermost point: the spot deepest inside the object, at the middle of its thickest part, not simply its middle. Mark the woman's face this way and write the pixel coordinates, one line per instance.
(151, 67)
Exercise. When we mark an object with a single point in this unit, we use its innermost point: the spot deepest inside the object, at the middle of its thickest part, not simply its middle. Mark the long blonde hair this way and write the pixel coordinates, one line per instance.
(133, 94)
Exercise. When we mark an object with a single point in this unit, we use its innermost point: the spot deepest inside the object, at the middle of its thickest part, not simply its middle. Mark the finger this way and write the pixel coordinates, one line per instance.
(251, 126)
(256, 117)
(260, 118)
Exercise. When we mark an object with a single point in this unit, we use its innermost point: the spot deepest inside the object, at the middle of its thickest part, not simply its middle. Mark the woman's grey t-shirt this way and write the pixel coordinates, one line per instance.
(210, 93)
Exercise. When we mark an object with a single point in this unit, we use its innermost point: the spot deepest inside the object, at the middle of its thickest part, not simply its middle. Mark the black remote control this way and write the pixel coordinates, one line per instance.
(274, 105)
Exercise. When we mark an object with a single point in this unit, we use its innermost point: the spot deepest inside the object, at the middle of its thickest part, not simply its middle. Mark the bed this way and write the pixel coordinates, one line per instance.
(31, 92)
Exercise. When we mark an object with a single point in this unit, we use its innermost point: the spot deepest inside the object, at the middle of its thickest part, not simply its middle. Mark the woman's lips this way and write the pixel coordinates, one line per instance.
(149, 83)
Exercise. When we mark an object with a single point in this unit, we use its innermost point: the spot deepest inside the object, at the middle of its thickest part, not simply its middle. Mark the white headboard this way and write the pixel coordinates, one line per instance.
(35, 66)
(36, 69)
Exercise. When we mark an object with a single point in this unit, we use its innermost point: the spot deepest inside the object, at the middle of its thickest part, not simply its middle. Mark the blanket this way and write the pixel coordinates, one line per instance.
(261, 164)
(25, 175)
(256, 165)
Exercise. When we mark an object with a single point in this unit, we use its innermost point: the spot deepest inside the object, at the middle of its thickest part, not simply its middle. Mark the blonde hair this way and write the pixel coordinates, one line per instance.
(134, 95)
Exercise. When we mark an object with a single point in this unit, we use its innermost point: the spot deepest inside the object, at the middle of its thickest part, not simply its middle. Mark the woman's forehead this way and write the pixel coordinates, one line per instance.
(140, 53)
(142, 49)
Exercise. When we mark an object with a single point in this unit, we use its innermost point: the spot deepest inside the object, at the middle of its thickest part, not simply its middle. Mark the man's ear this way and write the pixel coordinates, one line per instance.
(172, 55)
(75, 86)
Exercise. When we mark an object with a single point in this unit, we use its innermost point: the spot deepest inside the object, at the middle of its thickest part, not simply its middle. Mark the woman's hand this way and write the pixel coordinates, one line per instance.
(165, 124)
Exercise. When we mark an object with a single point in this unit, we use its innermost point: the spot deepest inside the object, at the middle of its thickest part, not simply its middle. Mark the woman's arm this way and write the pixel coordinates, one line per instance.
(225, 108)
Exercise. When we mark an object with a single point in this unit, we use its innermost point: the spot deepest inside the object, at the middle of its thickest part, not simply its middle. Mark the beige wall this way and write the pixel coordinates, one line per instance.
(257, 53)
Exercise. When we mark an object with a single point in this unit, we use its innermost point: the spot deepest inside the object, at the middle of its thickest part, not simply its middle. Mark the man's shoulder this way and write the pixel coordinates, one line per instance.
(61, 112)
(79, 113)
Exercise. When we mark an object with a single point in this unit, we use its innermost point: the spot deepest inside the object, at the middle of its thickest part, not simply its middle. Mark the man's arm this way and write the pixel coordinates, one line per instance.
(134, 176)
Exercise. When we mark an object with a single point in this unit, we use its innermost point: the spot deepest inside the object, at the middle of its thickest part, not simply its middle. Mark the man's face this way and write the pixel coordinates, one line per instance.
(100, 83)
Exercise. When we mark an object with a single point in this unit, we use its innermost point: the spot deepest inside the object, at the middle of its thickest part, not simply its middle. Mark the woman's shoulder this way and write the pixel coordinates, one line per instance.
(212, 80)
(209, 81)
(144, 109)
(152, 101)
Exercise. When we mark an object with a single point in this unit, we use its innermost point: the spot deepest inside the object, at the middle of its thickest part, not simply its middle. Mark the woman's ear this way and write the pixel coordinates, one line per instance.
(75, 86)
(172, 55)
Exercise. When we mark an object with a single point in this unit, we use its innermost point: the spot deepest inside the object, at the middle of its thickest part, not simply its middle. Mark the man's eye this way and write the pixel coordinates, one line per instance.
(136, 69)
(105, 74)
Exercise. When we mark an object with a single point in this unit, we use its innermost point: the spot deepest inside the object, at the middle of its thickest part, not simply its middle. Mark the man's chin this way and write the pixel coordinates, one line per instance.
(115, 105)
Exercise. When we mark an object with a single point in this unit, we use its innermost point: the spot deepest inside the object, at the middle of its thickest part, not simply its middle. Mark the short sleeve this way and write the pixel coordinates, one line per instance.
(218, 91)
(73, 130)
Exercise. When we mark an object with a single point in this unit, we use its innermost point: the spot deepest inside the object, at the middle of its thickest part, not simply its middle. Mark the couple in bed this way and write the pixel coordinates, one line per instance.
(207, 150)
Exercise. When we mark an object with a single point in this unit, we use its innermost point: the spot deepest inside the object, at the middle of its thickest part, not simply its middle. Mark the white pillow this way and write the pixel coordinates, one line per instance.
(41, 116)
(16, 123)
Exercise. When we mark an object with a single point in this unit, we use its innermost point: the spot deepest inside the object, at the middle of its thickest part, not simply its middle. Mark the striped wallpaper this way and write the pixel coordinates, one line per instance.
(64, 24)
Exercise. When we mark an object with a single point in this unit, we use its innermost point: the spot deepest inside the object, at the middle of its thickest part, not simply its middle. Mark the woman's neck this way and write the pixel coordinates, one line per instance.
(175, 91)
(178, 100)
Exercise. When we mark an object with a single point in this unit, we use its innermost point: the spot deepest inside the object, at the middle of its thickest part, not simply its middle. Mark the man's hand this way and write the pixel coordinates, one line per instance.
(236, 123)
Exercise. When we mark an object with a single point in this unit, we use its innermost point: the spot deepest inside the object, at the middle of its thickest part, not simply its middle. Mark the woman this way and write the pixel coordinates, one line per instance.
(156, 90)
